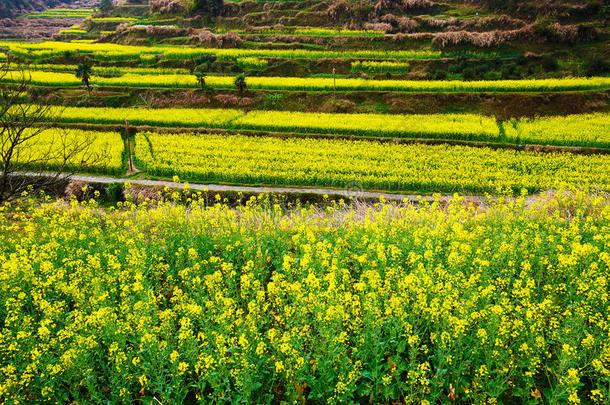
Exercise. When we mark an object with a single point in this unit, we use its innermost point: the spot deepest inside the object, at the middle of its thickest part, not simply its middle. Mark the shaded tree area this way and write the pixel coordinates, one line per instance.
(208, 7)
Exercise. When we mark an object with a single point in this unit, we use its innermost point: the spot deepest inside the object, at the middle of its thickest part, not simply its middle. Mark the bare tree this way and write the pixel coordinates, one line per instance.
(29, 157)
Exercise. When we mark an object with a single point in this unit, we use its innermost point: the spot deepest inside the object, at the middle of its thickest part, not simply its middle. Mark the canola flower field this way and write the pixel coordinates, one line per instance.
(63, 13)
(260, 304)
(592, 129)
(104, 70)
(100, 152)
(139, 79)
(586, 130)
(374, 166)
(140, 294)
(108, 52)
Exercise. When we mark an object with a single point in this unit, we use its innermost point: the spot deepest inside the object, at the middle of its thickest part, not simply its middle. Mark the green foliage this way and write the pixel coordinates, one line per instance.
(206, 61)
(549, 63)
(83, 72)
(439, 74)
(208, 7)
(240, 83)
(200, 74)
(379, 67)
(105, 5)
(596, 65)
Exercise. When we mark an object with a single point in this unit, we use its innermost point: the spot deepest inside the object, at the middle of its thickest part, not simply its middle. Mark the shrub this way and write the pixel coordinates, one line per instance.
(549, 63)
(402, 7)
(226, 99)
(510, 71)
(209, 7)
(596, 65)
(338, 106)
(77, 190)
(481, 39)
(390, 19)
(167, 6)
(140, 194)
(105, 5)
(339, 10)
(469, 73)
(418, 4)
(227, 40)
(406, 24)
(439, 74)
(384, 27)
(240, 83)
(565, 33)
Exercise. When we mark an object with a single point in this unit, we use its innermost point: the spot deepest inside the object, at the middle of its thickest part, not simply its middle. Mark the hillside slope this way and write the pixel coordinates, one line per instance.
(12, 8)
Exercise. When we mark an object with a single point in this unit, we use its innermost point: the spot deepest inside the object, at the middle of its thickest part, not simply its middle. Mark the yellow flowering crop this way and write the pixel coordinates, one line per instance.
(577, 130)
(116, 52)
(573, 130)
(263, 303)
(391, 167)
(73, 149)
(380, 67)
(325, 83)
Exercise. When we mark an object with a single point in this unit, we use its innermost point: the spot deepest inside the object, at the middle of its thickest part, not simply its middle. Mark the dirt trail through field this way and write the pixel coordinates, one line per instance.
(349, 192)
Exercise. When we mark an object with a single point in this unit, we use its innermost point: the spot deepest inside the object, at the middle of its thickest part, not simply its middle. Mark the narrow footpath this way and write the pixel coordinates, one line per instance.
(348, 193)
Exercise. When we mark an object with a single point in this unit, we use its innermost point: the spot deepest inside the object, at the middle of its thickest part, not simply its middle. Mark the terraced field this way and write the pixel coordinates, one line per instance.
(386, 167)
(409, 202)
(173, 81)
(590, 130)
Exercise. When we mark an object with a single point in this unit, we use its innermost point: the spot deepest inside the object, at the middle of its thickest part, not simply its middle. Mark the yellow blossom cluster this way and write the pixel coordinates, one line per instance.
(379, 166)
(575, 130)
(267, 302)
(324, 83)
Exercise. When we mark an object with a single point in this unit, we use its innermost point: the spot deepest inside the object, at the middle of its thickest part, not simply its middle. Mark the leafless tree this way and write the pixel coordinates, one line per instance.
(29, 157)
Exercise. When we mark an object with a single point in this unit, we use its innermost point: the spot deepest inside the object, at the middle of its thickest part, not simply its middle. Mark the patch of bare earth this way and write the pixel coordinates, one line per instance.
(34, 29)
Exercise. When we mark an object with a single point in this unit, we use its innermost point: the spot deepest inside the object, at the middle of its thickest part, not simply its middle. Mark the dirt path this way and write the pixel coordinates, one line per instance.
(348, 193)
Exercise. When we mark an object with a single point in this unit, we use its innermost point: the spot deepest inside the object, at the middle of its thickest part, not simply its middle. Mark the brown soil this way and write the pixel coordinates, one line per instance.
(33, 29)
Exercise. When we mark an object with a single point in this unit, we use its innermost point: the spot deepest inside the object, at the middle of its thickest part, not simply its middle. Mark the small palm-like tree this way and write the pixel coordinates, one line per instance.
(83, 72)
(200, 75)
(240, 83)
